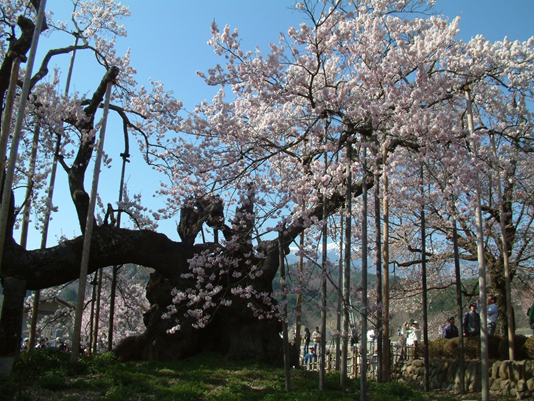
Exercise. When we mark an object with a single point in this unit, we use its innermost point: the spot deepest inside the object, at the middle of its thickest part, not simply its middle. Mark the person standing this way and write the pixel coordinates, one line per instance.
(450, 331)
(306, 340)
(493, 313)
(310, 356)
(413, 334)
(471, 323)
(316, 338)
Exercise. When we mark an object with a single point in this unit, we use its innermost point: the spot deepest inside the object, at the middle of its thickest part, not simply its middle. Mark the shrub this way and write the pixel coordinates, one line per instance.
(101, 362)
(436, 348)
(528, 347)
(8, 388)
(497, 348)
(451, 349)
(494, 343)
(393, 391)
(32, 365)
(472, 347)
(52, 381)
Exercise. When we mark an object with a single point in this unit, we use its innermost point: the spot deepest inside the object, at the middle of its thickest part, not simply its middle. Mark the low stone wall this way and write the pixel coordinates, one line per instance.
(513, 378)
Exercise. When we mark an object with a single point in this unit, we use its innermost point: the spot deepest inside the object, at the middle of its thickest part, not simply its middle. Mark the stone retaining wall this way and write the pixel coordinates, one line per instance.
(511, 378)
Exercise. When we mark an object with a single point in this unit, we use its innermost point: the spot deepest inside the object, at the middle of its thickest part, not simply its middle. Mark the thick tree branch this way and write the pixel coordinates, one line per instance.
(110, 246)
(77, 171)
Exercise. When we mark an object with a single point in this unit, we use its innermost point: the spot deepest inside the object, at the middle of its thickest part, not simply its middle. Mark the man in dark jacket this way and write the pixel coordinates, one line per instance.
(471, 322)
(450, 331)
(306, 340)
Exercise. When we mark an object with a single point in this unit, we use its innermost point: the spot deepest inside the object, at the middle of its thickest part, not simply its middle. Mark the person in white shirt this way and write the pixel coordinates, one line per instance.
(413, 333)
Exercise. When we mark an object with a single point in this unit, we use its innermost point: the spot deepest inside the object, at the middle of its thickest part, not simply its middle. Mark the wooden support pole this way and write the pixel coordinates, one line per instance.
(89, 229)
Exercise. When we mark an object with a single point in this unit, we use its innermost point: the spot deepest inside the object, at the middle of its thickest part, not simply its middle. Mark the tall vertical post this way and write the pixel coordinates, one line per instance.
(364, 312)
(17, 133)
(88, 230)
(424, 284)
(115, 270)
(92, 316)
(484, 352)
(8, 111)
(339, 314)
(322, 356)
(385, 273)
(29, 187)
(287, 364)
(378, 266)
(48, 212)
(346, 272)
(459, 304)
(504, 241)
(298, 337)
(12, 308)
(26, 220)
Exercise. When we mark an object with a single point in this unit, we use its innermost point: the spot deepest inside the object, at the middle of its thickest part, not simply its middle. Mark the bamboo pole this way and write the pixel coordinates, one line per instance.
(363, 376)
(97, 312)
(339, 297)
(385, 272)
(323, 277)
(8, 111)
(285, 339)
(91, 316)
(424, 284)
(10, 173)
(346, 273)
(125, 159)
(48, 212)
(88, 232)
(459, 303)
(484, 352)
(379, 288)
(507, 279)
(26, 220)
(29, 188)
(12, 309)
(323, 298)
(298, 337)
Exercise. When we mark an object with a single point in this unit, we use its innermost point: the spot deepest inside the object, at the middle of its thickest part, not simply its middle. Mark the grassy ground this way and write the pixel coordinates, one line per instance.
(48, 375)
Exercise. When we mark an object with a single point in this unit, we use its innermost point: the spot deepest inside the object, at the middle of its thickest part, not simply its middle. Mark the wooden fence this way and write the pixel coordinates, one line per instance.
(397, 354)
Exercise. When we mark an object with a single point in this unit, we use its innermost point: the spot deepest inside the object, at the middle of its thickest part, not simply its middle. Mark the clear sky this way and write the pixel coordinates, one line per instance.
(168, 43)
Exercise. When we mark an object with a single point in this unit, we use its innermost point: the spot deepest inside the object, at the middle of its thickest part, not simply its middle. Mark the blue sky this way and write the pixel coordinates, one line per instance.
(168, 43)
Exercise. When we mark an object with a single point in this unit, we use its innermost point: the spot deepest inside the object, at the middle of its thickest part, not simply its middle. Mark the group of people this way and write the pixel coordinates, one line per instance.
(58, 343)
(44, 342)
(310, 351)
(471, 321)
(411, 333)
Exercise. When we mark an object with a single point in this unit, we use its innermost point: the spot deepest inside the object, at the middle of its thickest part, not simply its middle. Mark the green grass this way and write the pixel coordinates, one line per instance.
(48, 375)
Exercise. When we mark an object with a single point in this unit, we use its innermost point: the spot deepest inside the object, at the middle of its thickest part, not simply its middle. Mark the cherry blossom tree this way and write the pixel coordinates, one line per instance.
(130, 305)
(254, 164)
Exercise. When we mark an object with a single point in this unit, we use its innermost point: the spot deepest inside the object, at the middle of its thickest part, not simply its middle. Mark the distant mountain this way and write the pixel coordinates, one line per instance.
(332, 255)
